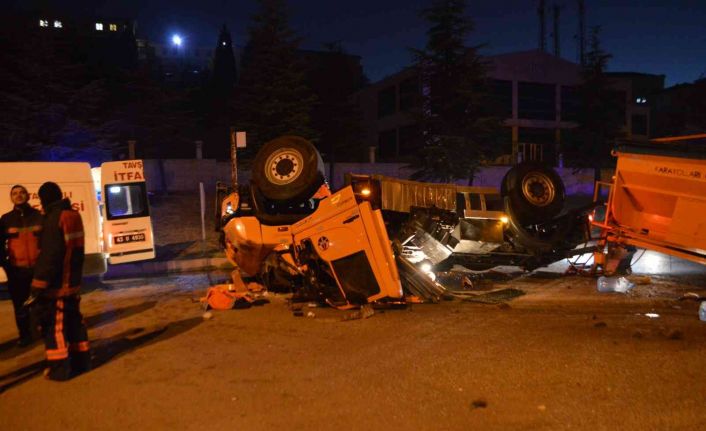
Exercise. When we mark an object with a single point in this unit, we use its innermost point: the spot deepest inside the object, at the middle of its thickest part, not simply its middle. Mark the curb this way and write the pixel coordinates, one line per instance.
(140, 269)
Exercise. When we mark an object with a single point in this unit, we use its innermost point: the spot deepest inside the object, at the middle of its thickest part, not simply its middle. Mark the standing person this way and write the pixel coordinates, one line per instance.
(56, 285)
(19, 247)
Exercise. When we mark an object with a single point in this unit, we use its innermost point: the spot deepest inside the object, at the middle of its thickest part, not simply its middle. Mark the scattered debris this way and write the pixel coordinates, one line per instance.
(651, 315)
(640, 279)
(600, 325)
(702, 311)
(310, 314)
(691, 296)
(492, 297)
(207, 315)
(226, 297)
(367, 311)
(364, 312)
(614, 284)
(479, 404)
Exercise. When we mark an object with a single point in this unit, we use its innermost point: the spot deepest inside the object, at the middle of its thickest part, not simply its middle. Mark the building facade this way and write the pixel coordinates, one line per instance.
(638, 92)
(98, 41)
(535, 93)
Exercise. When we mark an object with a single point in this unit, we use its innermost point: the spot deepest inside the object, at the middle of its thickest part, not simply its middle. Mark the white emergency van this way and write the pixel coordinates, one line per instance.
(112, 201)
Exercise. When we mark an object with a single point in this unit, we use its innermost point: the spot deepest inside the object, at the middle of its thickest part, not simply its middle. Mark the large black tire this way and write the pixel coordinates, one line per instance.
(536, 242)
(288, 169)
(535, 192)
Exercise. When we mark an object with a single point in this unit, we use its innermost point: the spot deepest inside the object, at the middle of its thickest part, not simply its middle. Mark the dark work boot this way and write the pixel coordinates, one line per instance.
(80, 362)
(58, 370)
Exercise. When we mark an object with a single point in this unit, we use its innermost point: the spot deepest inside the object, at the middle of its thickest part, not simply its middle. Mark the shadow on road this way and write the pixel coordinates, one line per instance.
(107, 349)
(23, 374)
(9, 349)
(113, 315)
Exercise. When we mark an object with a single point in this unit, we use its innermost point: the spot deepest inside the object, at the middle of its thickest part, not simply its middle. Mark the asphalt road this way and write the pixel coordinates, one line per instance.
(563, 356)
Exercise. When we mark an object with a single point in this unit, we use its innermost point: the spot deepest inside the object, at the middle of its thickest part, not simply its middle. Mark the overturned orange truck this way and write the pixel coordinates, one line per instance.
(378, 238)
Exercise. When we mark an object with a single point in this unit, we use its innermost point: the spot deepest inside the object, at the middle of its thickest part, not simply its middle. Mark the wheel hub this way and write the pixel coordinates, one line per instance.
(284, 166)
(538, 189)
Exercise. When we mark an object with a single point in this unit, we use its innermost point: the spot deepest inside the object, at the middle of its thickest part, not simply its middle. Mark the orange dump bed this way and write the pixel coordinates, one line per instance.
(658, 197)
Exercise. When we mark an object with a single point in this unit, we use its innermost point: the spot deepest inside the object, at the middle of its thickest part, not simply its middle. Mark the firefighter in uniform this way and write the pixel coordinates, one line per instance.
(19, 233)
(56, 284)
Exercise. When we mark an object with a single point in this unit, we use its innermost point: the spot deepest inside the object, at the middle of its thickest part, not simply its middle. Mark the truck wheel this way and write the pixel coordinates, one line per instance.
(535, 191)
(533, 241)
(288, 168)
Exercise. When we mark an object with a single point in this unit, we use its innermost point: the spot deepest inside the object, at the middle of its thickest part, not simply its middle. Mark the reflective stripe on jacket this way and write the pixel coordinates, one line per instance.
(20, 230)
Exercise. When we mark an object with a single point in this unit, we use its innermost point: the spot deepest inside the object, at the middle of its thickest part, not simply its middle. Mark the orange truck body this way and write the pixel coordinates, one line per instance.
(657, 198)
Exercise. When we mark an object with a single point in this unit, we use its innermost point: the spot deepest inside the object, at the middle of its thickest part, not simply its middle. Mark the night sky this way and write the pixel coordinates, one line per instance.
(658, 36)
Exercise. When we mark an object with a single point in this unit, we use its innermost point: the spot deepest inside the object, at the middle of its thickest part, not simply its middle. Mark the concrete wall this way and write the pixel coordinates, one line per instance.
(176, 175)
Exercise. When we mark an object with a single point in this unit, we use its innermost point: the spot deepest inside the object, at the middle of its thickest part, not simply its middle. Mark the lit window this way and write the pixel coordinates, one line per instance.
(43, 23)
(57, 24)
(99, 26)
(113, 27)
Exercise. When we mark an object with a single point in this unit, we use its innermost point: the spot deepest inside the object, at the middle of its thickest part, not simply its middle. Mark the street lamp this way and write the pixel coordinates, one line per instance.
(176, 40)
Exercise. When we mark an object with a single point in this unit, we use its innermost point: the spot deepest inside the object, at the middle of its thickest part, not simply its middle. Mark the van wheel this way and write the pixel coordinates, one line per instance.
(288, 169)
(535, 192)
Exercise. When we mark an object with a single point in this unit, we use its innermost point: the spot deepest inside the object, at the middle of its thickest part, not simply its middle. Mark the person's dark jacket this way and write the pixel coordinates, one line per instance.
(20, 231)
(60, 263)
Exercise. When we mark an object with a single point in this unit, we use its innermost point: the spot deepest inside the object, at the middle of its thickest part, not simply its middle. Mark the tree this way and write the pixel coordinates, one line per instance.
(601, 114)
(457, 128)
(333, 76)
(271, 97)
(213, 104)
(224, 72)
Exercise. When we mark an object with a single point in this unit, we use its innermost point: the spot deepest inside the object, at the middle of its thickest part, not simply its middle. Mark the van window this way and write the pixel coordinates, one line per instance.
(126, 200)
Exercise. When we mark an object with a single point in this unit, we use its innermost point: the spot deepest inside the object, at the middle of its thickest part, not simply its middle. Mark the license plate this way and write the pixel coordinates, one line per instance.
(124, 239)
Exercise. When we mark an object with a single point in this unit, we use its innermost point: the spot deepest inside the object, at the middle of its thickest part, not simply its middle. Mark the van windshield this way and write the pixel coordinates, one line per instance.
(126, 200)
